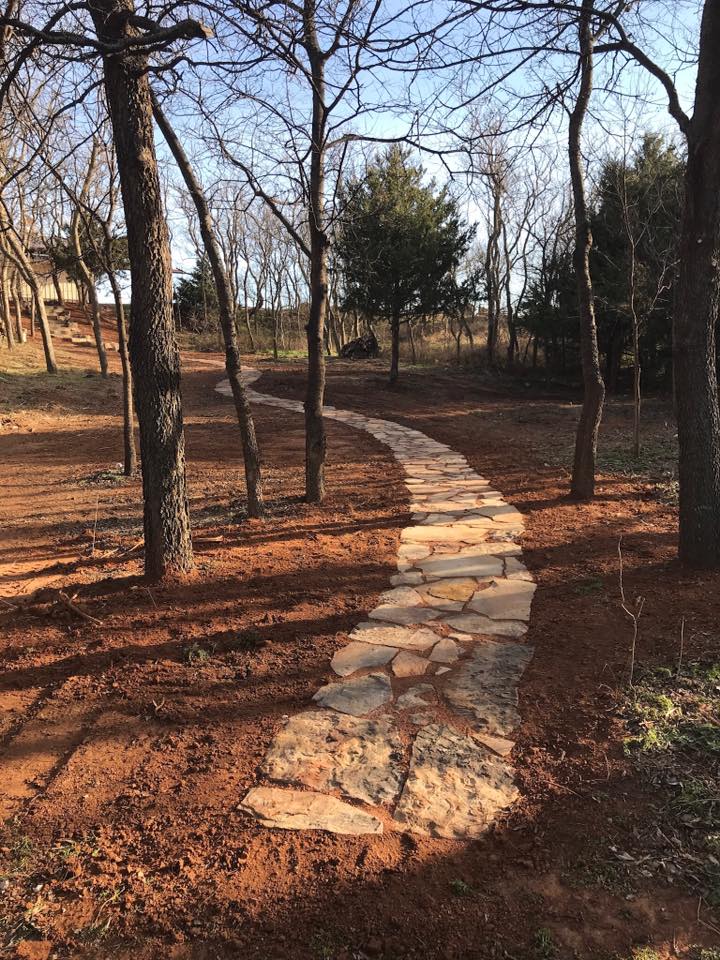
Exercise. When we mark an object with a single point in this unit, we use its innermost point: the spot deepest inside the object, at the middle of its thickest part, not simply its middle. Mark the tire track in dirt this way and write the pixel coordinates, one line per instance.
(40, 743)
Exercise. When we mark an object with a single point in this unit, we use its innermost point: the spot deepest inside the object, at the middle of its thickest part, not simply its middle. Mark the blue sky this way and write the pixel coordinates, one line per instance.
(637, 104)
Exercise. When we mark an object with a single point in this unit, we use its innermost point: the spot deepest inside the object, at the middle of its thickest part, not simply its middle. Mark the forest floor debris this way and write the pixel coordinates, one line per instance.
(127, 842)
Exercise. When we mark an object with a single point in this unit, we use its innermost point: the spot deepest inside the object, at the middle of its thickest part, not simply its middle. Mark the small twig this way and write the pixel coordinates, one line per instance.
(75, 609)
(122, 552)
(634, 613)
(150, 594)
(10, 606)
(136, 546)
(682, 645)
(97, 504)
(705, 923)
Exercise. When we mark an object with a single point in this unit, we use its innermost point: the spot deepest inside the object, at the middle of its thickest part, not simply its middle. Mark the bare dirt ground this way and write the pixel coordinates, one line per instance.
(127, 744)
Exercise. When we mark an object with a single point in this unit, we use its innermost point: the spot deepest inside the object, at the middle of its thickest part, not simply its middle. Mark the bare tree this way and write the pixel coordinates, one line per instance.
(304, 78)
(251, 453)
(494, 172)
(15, 252)
(86, 275)
(583, 475)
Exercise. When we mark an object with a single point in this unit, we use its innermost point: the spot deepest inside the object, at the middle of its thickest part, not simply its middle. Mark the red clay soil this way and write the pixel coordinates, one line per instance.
(128, 743)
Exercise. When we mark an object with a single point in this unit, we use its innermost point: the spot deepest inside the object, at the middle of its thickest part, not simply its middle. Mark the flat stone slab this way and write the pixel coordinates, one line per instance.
(409, 577)
(478, 624)
(461, 565)
(502, 513)
(405, 616)
(454, 588)
(438, 603)
(356, 697)
(358, 656)
(421, 695)
(304, 810)
(408, 664)
(449, 533)
(445, 651)
(498, 745)
(516, 570)
(504, 600)
(455, 786)
(484, 686)
(328, 751)
(403, 596)
(395, 635)
(413, 551)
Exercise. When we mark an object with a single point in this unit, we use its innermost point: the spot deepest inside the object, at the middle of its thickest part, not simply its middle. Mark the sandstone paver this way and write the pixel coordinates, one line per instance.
(459, 569)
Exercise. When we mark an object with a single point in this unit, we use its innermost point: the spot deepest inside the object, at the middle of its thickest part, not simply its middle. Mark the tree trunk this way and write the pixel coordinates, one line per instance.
(493, 276)
(246, 314)
(129, 452)
(456, 337)
(333, 328)
(17, 255)
(315, 439)
(411, 340)
(96, 323)
(394, 347)
(510, 314)
(153, 347)
(697, 302)
(583, 475)
(226, 313)
(5, 300)
(637, 396)
(18, 315)
(465, 325)
(58, 289)
(88, 281)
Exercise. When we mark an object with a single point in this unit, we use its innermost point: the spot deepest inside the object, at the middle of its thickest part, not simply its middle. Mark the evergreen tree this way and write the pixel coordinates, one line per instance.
(92, 241)
(635, 219)
(635, 227)
(196, 298)
(399, 245)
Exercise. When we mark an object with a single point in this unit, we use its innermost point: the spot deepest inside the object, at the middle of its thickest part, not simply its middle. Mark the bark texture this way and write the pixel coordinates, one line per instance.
(153, 348)
(394, 348)
(696, 314)
(5, 303)
(583, 475)
(315, 440)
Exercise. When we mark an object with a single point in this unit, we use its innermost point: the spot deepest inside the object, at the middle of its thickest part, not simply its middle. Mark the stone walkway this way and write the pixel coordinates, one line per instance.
(415, 733)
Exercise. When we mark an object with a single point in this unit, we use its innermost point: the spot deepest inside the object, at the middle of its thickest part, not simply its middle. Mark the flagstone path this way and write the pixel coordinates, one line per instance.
(416, 731)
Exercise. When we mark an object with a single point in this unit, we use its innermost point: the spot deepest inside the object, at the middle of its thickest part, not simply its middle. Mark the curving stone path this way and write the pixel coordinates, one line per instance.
(416, 731)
